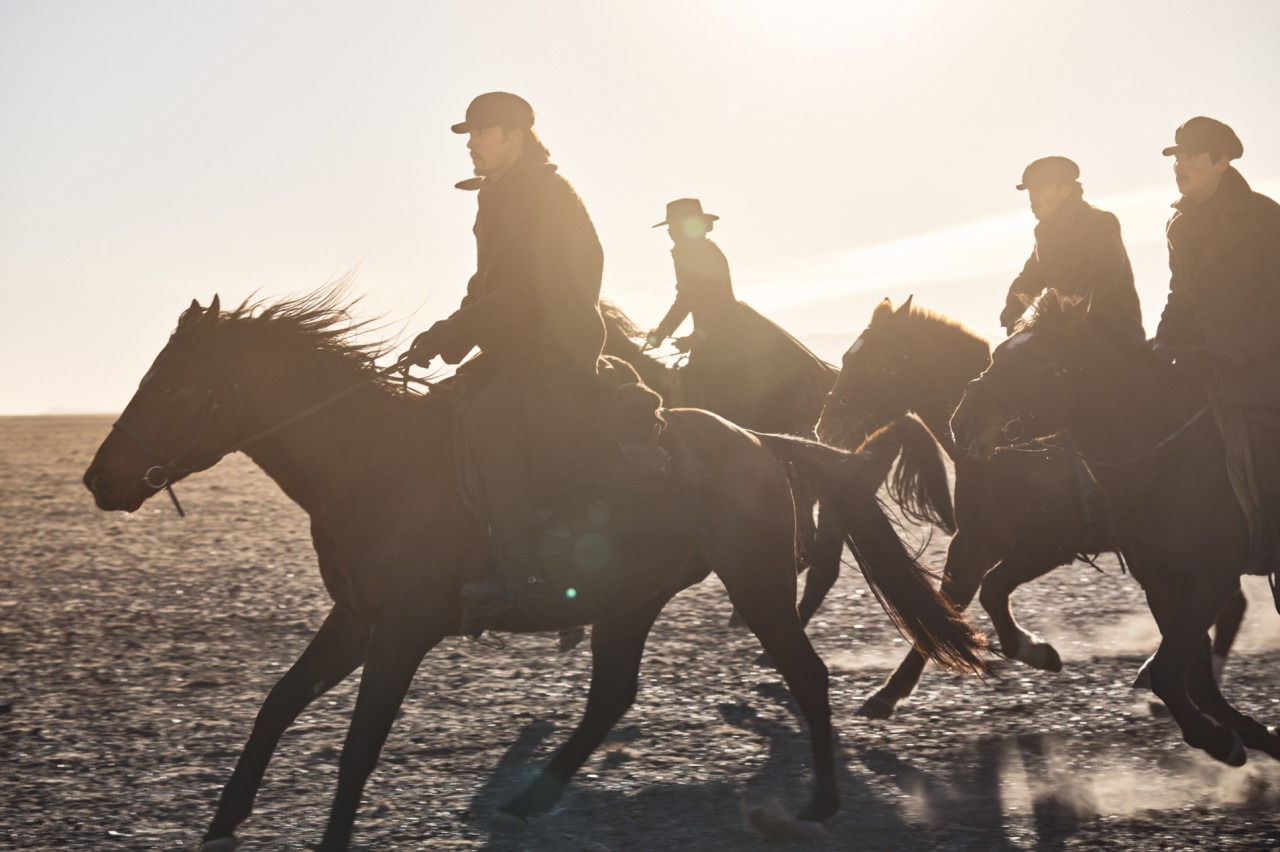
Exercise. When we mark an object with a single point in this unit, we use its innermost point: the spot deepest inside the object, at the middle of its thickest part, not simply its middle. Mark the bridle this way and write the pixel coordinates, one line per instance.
(162, 474)
(1015, 429)
(886, 367)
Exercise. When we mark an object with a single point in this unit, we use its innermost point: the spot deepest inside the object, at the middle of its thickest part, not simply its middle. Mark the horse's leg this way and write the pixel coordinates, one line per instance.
(1203, 686)
(335, 651)
(966, 564)
(824, 563)
(1017, 568)
(766, 608)
(1184, 618)
(397, 645)
(1225, 630)
(616, 648)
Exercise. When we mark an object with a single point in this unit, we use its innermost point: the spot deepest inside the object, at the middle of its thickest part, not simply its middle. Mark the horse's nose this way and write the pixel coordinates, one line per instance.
(91, 478)
(963, 432)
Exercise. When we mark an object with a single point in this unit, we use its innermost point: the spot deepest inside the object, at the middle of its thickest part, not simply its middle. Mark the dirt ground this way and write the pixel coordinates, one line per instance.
(137, 648)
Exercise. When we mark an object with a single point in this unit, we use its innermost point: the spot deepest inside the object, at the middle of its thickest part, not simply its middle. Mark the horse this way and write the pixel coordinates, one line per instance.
(917, 484)
(376, 468)
(1017, 516)
(1150, 442)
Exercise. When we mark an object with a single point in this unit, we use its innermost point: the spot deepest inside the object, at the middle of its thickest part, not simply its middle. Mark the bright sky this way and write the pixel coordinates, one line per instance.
(152, 152)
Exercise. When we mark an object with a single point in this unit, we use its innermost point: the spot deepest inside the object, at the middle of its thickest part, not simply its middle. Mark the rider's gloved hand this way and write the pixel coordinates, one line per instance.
(1165, 352)
(1010, 315)
(429, 344)
(653, 340)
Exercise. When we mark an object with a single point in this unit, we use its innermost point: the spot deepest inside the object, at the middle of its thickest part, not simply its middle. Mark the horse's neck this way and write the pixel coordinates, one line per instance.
(331, 456)
(1124, 408)
(947, 360)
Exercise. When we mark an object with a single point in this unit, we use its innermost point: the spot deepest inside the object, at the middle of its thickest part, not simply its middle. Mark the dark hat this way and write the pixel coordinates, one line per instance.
(496, 109)
(1048, 170)
(685, 208)
(1198, 135)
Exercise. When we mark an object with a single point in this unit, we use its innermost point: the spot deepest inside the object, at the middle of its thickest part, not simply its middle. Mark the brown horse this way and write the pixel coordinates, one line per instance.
(917, 484)
(1018, 516)
(1151, 444)
(376, 469)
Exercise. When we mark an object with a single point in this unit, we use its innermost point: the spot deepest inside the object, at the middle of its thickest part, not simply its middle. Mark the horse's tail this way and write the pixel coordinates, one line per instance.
(903, 586)
(919, 483)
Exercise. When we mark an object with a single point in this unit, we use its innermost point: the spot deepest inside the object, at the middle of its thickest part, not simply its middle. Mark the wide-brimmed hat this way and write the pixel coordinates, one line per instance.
(1198, 135)
(496, 109)
(685, 208)
(1047, 170)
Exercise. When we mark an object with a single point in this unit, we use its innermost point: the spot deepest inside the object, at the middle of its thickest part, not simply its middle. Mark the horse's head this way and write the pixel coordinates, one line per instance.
(1029, 390)
(876, 380)
(177, 423)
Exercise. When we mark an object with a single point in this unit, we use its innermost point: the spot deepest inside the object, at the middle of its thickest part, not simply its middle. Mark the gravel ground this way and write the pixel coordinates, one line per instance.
(137, 649)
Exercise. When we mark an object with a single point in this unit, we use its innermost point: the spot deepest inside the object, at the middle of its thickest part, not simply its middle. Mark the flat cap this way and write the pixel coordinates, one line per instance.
(496, 109)
(1199, 135)
(1048, 170)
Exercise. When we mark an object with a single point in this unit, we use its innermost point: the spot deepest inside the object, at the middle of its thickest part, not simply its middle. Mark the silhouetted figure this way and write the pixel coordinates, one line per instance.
(534, 422)
(1221, 323)
(1078, 252)
(741, 365)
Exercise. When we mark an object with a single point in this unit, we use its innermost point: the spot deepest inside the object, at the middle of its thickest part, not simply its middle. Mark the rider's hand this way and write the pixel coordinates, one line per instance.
(652, 340)
(428, 344)
(1009, 317)
(1165, 352)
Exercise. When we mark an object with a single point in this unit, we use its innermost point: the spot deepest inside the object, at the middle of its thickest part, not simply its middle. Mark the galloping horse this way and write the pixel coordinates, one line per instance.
(376, 469)
(1153, 448)
(918, 484)
(1018, 516)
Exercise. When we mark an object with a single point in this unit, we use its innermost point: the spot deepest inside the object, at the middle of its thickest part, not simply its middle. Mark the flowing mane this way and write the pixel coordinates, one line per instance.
(946, 332)
(320, 323)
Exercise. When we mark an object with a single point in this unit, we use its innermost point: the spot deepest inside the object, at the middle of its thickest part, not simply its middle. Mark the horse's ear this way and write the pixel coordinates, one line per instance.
(215, 310)
(883, 311)
(191, 315)
(905, 308)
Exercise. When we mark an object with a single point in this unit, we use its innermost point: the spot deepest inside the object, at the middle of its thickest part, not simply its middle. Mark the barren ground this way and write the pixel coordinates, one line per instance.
(137, 648)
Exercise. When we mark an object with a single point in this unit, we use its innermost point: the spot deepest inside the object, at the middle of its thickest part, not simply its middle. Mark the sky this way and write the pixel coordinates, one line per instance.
(152, 152)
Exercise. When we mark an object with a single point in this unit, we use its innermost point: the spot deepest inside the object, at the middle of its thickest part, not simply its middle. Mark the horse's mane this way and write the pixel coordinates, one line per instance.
(321, 323)
(616, 318)
(937, 327)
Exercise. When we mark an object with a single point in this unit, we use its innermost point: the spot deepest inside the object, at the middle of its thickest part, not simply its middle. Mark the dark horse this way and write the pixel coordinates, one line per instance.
(917, 484)
(1151, 444)
(1018, 516)
(375, 468)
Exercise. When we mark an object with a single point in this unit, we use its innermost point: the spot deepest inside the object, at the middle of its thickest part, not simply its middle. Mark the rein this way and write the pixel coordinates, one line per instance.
(161, 475)
(1149, 451)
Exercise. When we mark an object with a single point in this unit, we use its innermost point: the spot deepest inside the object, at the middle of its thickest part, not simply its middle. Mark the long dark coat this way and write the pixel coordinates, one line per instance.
(532, 431)
(748, 369)
(1079, 252)
(536, 287)
(1225, 287)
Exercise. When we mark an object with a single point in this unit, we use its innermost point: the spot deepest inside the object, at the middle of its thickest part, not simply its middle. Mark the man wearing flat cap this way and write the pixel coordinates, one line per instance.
(1078, 252)
(532, 309)
(1221, 323)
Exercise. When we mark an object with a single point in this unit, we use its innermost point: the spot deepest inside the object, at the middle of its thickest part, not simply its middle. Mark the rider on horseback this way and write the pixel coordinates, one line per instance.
(1078, 252)
(1221, 324)
(741, 365)
(540, 417)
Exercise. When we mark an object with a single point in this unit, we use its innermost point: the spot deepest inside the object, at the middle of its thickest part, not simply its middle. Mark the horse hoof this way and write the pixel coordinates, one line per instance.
(876, 707)
(506, 822)
(1045, 658)
(1238, 755)
(222, 844)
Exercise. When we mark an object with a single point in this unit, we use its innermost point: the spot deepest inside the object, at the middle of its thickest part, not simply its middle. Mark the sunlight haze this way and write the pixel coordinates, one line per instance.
(155, 152)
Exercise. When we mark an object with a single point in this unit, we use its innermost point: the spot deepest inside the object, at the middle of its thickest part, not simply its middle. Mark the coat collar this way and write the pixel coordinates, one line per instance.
(1232, 200)
(523, 167)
